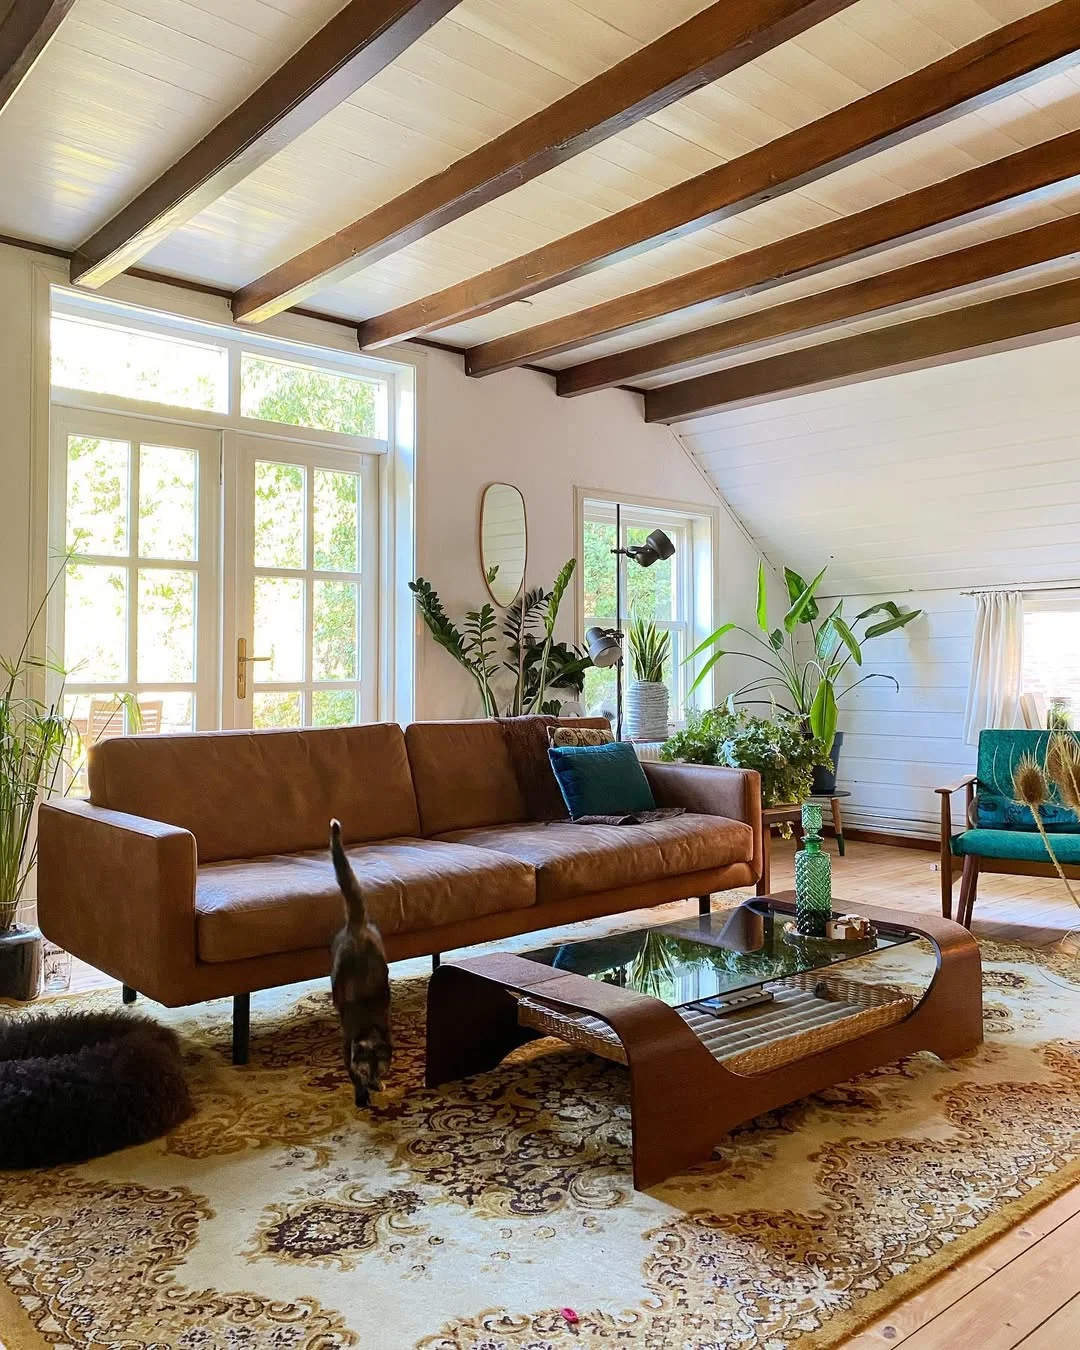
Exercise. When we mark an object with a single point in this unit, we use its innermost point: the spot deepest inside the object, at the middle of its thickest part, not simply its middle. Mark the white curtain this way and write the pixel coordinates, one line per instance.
(997, 664)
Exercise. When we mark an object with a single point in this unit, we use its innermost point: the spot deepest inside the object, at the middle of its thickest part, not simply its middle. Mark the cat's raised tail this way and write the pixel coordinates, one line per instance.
(355, 910)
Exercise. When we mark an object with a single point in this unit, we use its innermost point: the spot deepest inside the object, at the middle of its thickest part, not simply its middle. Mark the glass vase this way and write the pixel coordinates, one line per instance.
(813, 877)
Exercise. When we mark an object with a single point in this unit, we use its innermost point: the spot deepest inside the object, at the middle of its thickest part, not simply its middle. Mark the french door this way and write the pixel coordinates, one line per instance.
(301, 645)
(209, 579)
(134, 529)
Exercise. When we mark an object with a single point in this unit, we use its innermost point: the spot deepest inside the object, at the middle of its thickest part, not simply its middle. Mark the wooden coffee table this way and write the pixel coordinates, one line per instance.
(643, 998)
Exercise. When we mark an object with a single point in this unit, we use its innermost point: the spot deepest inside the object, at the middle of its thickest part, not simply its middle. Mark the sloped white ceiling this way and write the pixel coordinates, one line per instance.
(963, 475)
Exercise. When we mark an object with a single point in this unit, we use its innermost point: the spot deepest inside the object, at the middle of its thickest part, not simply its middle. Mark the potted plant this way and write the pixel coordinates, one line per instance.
(778, 748)
(538, 663)
(647, 699)
(806, 674)
(34, 738)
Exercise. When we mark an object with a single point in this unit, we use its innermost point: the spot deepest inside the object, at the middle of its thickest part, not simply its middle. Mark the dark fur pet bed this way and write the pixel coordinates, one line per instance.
(75, 1085)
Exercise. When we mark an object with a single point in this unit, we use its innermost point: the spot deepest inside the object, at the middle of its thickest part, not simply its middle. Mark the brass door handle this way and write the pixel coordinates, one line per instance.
(242, 663)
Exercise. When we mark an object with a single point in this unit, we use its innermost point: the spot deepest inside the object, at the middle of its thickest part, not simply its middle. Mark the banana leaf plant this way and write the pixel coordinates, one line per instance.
(802, 676)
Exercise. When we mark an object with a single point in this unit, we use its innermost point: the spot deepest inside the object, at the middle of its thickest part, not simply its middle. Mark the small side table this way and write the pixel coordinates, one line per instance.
(790, 813)
(833, 798)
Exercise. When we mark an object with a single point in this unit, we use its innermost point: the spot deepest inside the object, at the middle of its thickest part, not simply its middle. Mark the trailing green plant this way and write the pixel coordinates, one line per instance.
(536, 661)
(649, 648)
(807, 686)
(779, 749)
(35, 737)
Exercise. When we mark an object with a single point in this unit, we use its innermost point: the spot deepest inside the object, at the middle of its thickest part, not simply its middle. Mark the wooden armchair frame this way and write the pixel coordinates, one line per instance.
(976, 863)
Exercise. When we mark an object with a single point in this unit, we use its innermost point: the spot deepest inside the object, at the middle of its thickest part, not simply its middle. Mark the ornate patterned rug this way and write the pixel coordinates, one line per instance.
(497, 1214)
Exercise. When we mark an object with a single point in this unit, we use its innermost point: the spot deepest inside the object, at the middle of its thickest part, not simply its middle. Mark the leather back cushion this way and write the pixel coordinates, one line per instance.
(246, 793)
(463, 776)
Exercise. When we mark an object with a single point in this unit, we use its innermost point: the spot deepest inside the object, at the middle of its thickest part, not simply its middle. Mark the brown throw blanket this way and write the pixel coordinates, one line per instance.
(527, 741)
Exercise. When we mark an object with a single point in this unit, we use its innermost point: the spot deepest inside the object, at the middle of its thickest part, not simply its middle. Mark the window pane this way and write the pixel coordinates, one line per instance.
(273, 709)
(106, 358)
(337, 521)
(336, 622)
(166, 714)
(650, 590)
(97, 495)
(333, 707)
(95, 624)
(599, 693)
(166, 642)
(279, 515)
(166, 502)
(599, 569)
(304, 396)
(279, 628)
(1052, 657)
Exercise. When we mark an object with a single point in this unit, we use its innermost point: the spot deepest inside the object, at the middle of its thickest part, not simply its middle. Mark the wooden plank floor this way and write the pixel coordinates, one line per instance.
(1022, 1291)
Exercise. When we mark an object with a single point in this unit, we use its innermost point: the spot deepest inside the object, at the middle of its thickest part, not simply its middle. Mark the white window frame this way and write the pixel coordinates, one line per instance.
(1061, 600)
(696, 580)
(388, 461)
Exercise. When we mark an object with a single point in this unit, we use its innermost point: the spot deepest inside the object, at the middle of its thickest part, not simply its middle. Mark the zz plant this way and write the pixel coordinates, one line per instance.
(805, 684)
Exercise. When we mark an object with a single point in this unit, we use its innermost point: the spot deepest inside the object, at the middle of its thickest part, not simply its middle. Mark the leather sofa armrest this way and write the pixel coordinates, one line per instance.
(118, 891)
(710, 790)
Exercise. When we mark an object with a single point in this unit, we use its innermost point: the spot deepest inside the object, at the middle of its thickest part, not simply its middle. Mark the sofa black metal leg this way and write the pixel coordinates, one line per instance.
(241, 1023)
(128, 994)
(704, 904)
(436, 960)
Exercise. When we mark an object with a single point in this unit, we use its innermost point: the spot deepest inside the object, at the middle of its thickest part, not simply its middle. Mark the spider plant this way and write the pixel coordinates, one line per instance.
(649, 648)
(35, 737)
(804, 685)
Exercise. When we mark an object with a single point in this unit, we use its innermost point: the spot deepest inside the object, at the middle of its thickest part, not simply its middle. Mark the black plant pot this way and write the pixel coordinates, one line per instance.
(20, 963)
(824, 777)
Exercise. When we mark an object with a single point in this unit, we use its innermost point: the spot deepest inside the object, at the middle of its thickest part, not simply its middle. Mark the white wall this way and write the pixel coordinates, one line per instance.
(510, 427)
(916, 487)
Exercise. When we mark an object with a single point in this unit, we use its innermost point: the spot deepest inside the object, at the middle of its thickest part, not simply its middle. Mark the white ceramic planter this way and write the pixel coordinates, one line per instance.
(647, 711)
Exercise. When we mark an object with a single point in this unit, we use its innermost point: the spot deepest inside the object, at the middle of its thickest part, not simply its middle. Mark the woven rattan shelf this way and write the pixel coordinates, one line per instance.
(809, 1013)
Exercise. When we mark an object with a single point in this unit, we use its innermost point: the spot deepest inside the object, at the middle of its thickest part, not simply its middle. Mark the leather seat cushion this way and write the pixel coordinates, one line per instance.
(288, 902)
(572, 860)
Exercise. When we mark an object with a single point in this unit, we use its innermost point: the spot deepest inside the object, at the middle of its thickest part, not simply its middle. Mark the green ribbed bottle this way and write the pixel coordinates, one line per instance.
(813, 877)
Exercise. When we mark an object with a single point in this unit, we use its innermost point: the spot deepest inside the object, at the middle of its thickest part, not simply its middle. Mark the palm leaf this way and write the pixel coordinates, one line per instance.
(762, 599)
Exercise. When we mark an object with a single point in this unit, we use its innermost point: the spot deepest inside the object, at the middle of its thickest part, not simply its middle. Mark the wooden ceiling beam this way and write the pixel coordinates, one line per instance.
(996, 325)
(998, 64)
(813, 313)
(25, 31)
(721, 38)
(358, 42)
(964, 197)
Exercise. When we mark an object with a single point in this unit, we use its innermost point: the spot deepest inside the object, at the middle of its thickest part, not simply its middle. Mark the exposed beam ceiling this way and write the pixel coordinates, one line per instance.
(1016, 320)
(721, 38)
(963, 197)
(357, 43)
(998, 64)
(25, 30)
(870, 295)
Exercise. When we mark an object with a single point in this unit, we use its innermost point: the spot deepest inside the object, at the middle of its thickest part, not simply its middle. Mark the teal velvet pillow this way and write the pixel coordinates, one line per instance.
(601, 780)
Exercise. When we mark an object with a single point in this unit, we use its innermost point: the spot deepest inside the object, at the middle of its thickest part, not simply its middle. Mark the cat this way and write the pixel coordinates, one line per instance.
(360, 981)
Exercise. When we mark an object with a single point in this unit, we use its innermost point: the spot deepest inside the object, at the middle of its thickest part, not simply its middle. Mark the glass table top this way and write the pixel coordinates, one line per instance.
(708, 956)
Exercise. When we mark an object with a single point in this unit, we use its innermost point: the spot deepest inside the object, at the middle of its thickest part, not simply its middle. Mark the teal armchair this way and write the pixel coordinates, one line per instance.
(999, 834)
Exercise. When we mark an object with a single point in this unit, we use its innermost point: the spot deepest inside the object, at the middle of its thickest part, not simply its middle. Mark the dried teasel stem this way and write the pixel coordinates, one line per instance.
(1032, 788)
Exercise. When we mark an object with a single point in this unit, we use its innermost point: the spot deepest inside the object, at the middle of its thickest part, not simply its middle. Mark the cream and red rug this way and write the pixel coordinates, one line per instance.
(488, 1214)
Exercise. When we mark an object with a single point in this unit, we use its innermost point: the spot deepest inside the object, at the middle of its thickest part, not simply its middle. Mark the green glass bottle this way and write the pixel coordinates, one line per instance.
(813, 877)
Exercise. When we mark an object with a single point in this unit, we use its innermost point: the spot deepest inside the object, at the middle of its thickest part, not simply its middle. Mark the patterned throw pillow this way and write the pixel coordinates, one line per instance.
(560, 736)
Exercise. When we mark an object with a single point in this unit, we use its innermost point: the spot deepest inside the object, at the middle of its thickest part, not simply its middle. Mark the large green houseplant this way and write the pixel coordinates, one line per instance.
(34, 740)
(536, 661)
(804, 678)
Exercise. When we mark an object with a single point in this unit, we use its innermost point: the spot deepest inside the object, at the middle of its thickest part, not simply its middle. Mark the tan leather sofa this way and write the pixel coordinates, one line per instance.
(199, 867)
